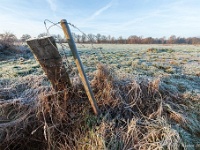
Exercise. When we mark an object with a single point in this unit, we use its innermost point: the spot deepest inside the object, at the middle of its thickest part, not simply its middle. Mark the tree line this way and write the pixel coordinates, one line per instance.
(8, 38)
(133, 39)
(91, 38)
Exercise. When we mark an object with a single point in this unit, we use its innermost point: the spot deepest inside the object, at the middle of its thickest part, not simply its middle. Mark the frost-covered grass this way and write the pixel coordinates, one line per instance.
(134, 60)
(151, 61)
(19, 67)
(160, 78)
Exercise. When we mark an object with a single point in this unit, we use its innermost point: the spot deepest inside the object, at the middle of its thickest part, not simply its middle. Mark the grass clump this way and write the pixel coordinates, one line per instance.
(162, 50)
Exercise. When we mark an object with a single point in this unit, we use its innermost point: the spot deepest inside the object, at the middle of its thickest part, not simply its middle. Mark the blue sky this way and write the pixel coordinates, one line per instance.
(147, 18)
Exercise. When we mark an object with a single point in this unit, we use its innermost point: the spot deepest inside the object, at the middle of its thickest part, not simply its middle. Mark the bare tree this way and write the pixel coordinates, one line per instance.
(109, 38)
(42, 35)
(83, 38)
(121, 40)
(78, 38)
(133, 39)
(25, 37)
(98, 36)
(113, 40)
(172, 39)
(103, 39)
(60, 39)
(163, 40)
(7, 40)
(91, 38)
(149, 40)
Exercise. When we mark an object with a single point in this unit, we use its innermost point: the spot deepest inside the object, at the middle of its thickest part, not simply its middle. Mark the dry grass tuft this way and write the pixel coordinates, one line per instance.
(135, 114)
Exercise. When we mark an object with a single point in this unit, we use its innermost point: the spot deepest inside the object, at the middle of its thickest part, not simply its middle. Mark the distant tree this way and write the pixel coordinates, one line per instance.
(7, 40)
(103, 39)
(83, 38)
(195, 40)
(157, 41)
(98, 37)
(42, 35)
(120, 40)
(109, 38)
(188, 40)
(149, 40)
(180, 40)
(58, 38)
(91, 38)
(163, 40)
(172, 39)
(133, 39)
(78, 38)
(25, 37)
(113, 40)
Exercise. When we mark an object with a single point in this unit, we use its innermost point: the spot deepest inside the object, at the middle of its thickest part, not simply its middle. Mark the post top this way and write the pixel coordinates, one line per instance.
(63, 20)
(40, 38)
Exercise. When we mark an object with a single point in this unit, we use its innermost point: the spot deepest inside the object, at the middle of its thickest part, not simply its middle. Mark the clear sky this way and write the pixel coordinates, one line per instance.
(147, 18)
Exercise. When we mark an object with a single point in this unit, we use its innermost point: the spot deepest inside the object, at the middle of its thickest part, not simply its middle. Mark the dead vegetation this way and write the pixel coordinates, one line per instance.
(11, 47)
(135, 114)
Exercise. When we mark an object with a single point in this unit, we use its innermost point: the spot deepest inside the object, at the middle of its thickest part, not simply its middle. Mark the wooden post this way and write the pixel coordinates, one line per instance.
(79, 65)
(46, 52)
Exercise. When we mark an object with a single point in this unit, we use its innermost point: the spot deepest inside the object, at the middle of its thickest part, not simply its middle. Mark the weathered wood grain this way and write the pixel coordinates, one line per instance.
(46, 53)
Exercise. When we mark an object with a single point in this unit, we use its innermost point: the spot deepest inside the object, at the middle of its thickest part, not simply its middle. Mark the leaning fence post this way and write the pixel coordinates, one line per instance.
(79, 65)
(46, 53)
